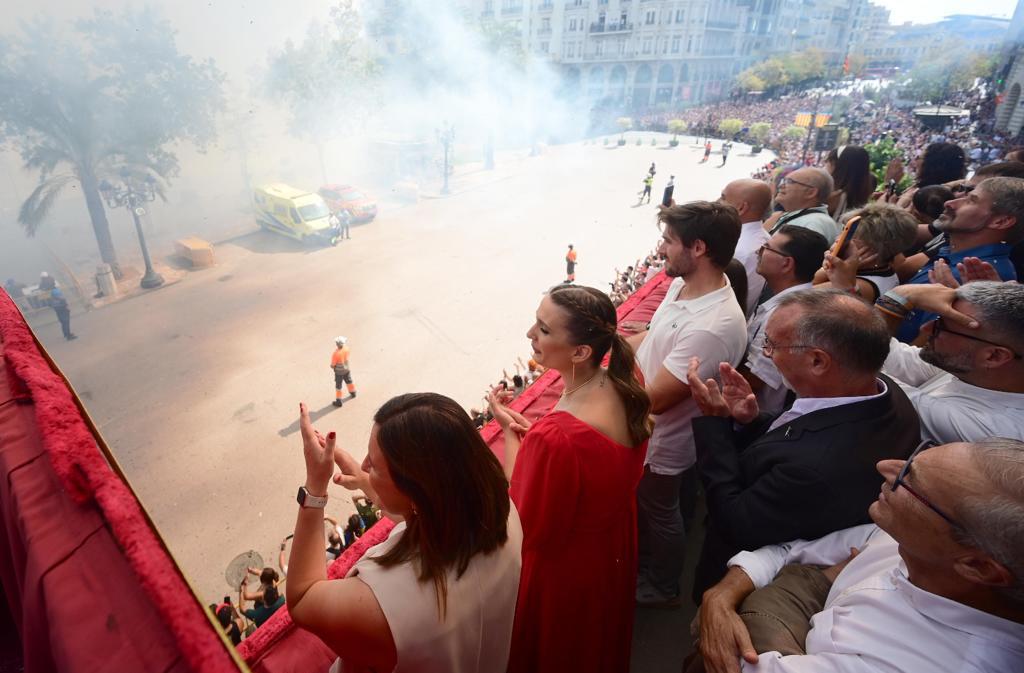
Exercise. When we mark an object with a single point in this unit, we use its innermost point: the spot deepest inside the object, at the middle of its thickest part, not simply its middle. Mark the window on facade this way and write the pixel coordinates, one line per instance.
(598, 48)
(680, 15)
(544, 47)
(675, 44)
(572, 25)
(622, 46)
(545, 24)
(689, 44)
(647, 45)
(650, 18)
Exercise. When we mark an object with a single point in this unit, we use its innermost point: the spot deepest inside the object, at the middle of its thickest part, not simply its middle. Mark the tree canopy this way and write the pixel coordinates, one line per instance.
(783, 70)
(82, 101)
(949, 67)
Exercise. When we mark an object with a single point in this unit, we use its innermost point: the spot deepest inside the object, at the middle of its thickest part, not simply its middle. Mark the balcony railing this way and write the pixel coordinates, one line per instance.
(517, 9)
(611, 27)
(545, 6)
(723, 25)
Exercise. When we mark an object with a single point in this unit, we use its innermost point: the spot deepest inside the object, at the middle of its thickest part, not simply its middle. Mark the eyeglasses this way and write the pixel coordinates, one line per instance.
(901, 481)
(768, 347)
(940, 326)
(963, 188)
(790, 181)
(765, 246)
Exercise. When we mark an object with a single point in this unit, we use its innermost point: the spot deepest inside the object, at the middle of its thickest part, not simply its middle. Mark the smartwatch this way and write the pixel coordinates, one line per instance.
(306, 499)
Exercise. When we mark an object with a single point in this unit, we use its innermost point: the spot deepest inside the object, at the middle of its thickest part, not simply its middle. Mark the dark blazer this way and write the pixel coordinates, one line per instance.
(802, 480)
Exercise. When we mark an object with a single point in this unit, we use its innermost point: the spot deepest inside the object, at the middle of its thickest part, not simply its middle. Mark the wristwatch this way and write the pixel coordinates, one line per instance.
(899, 299)
(306, 499)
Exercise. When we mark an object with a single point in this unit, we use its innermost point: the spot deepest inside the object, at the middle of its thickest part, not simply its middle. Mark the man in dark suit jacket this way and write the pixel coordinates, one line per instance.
(811, 470)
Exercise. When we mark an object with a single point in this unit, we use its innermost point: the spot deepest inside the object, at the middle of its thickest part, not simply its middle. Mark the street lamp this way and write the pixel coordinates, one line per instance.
(131, 193)
(446, 136)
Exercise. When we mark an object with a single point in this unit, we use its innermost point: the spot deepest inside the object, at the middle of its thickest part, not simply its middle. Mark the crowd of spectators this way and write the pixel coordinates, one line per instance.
(840, 367)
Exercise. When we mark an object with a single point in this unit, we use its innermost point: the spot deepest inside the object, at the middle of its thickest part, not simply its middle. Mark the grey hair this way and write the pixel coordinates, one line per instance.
(841, 325)
(1000, 309)
(887, 229)
(822, 180)
(1007, 199)
(994, 522)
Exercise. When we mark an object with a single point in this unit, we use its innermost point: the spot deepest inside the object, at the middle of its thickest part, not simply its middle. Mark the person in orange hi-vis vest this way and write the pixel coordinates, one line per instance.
(342, 373)
(570, 265)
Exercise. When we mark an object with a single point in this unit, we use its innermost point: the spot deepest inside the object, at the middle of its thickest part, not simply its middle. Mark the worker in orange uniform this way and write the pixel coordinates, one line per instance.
(570, 265)
(342, 374)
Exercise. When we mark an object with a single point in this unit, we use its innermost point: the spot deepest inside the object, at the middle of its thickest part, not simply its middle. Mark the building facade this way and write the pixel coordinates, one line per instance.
(649, 53)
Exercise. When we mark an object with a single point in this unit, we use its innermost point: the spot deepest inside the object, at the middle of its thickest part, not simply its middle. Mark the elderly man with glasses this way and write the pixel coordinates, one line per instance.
(803, 195)
(935, 584)
(810, 470)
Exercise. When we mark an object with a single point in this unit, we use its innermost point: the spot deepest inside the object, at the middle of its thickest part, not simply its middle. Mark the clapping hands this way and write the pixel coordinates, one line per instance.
(734, 399)
(498, 399)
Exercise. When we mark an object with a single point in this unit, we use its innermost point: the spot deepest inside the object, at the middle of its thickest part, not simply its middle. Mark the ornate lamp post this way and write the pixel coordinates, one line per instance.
(132, 193)
(446, 136)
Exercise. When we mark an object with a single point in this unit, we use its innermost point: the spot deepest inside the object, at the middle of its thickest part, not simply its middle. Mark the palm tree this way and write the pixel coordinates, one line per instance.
(65, 122)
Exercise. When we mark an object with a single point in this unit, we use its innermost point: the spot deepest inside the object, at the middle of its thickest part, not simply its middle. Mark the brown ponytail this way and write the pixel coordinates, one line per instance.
(592, 322)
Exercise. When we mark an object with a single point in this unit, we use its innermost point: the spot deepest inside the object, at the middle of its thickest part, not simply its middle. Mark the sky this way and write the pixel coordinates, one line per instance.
(929, 11)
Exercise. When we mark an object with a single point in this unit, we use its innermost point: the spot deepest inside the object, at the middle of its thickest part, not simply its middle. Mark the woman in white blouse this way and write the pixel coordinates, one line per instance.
(439, 594)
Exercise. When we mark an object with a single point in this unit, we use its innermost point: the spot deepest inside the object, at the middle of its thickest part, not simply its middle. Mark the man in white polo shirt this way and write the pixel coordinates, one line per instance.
(698, 317)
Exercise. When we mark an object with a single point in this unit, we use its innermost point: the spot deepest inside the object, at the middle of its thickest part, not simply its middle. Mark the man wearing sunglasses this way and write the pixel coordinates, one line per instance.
(803, 195)
(966, 383)
(935, 584)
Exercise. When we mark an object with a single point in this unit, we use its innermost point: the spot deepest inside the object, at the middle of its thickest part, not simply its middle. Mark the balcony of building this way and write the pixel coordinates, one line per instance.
(599, 28)
(722, 25)
(546, 6)
(511, 10)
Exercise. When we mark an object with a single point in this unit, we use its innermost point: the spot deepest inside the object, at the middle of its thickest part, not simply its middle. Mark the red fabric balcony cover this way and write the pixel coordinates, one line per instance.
(86, 580)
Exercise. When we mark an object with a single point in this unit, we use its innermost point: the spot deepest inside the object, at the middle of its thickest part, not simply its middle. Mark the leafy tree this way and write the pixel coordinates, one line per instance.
(115, 95)
(326, 82)
(759, 131)
(675, 127)
(794, 132)
(730, 127)
(948, 67)
(749, 80)
(624, 124)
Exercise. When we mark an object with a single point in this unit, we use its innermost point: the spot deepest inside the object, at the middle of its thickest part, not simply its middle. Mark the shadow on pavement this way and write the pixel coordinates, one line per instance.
(314, 416)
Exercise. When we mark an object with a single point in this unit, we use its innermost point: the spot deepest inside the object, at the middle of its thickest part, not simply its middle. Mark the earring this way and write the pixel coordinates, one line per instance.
(571, 384)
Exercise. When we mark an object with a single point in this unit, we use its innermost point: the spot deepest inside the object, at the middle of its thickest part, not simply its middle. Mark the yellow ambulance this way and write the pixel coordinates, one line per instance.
(296, 213)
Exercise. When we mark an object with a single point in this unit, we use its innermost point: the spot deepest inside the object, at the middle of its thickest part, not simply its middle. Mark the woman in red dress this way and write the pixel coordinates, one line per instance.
(574, 475)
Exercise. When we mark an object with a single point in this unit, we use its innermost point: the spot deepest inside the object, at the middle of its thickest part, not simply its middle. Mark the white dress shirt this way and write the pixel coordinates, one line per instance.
(950, 409)
(752, 237)
(710, 327)
(772, 396)
(875, 619)
(805, 405)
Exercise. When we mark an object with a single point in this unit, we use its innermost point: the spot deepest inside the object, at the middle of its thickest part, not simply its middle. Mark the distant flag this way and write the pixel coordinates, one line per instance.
(846, 66)
(802, 119)
(822, 119)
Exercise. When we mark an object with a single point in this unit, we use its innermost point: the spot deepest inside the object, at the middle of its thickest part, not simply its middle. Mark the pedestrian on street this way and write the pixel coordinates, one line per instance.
(342, 373)
(60, 307)
(341, 222)
(651, 170)
(666, 198)
(648, 183)
(726, 146)
(707, 151)
(570, 265)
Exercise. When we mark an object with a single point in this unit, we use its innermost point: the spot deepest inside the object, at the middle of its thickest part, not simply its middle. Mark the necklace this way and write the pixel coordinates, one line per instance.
(570, 391)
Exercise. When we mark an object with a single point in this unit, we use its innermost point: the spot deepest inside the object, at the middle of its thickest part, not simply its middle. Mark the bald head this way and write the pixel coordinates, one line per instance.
(751, 198)
(805, 188)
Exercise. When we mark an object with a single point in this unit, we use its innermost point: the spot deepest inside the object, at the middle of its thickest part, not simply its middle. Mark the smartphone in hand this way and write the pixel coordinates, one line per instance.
(845, 236)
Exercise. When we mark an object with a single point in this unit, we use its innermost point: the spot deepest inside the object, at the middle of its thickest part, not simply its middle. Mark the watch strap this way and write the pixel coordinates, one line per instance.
(307, 499)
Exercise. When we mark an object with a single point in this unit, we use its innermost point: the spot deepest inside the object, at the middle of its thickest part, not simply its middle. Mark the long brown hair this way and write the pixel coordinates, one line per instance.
(592, 322)
(458, 489)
